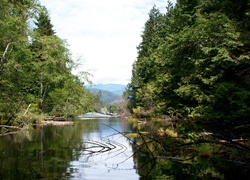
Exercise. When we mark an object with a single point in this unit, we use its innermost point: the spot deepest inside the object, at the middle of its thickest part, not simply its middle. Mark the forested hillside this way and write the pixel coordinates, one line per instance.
(190, 88)
(105, 96)
(35, 66)
(114, 88)
(194, 62)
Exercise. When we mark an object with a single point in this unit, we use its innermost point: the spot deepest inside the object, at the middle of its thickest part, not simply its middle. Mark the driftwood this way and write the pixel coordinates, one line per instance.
(236, 143)
(54, 118)
(13, 127)
(242, 126)
(90, 147)
(6, 130)
(167, 158)
(27, 110)
(55, 123)
(9, 133)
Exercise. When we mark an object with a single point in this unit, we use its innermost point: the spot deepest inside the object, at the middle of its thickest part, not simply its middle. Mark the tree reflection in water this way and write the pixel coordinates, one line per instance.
(109, 148)
(86, 150)
(167, 153)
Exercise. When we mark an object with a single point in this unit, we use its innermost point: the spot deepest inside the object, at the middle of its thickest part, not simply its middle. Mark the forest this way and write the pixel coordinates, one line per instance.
(190, 85)
(192, 74)
(195, 59)
(36, 68)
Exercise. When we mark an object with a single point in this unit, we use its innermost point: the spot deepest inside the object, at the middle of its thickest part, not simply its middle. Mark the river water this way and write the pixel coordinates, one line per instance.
(90, 149)
(97, 149)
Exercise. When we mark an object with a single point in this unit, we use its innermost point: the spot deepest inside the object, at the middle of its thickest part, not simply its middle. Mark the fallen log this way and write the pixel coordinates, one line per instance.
(11, 127)
(54, 118)
(9, 133)
(5, 130)
(55, 123)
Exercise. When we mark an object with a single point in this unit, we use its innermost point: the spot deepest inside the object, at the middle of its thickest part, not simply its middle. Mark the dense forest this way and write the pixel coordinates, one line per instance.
(192, 74)
(194, 62)
(190, 85)
(36, 66)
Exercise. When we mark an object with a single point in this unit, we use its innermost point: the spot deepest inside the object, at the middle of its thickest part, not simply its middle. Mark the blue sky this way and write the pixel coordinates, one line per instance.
(102, 34)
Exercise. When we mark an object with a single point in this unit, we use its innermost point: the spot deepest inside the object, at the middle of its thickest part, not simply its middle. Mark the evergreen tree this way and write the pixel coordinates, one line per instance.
(35, 66)
(53, 65)
(197, 77)
(144, 69)
(203, 53)
(43, 23)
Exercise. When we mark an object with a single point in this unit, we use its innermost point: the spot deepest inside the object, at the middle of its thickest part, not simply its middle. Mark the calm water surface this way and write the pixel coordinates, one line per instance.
(90, 149)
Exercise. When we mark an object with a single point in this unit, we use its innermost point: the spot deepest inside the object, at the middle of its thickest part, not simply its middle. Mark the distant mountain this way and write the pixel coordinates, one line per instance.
(106, 96)
(119, 92)
(117, 89)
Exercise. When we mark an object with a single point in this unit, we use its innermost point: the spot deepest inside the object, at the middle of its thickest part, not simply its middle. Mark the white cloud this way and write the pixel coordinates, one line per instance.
(105, 32)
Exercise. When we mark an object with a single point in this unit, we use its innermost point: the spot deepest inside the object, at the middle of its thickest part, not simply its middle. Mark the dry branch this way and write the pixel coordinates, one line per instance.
(27, 110)
(12, 127)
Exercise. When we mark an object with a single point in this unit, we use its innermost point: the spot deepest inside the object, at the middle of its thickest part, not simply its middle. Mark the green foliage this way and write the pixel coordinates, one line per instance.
(36, 65)
(195, 59)
(44, 26)
(193, 70)
(15, 55)
(231, 103)
(140, 112)
(113, 108)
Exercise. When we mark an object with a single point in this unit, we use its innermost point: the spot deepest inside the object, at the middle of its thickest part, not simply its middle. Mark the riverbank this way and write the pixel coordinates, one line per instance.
(8, 130)
(55, 123)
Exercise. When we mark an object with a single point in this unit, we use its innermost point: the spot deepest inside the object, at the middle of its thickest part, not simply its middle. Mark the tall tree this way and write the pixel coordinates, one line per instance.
(144, 69)
(15, 54)
(199, 71)
(57, 90)
(50, 58)
(43, 23)
(203, 53)
(36, 65)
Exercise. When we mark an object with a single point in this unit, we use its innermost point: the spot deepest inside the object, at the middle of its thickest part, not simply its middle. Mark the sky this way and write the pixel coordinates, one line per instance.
(102, 34)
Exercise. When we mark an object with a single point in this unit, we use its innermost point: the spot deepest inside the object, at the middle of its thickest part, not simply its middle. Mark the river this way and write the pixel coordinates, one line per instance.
(90, 149)
(96, 148)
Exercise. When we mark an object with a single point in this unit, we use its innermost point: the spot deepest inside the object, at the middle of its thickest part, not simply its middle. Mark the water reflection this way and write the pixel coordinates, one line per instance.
(90, 149)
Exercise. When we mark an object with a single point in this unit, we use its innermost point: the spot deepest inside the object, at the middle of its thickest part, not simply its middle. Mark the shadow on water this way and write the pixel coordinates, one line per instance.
(97, 148)
(188, 152)
(90, 149)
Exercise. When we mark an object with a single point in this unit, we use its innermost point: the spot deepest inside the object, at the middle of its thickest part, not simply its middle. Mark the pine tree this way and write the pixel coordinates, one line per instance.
(204, 49)
(43, 23)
